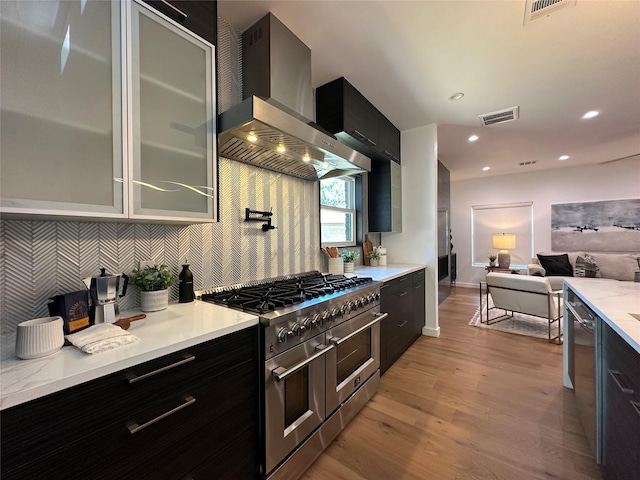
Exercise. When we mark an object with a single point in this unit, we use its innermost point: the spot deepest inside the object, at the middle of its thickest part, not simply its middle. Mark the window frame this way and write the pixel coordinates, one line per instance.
(353, 211)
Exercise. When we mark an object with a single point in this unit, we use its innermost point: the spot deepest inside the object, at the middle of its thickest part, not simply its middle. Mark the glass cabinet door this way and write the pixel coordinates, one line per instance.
(173, 120)
(61, 128)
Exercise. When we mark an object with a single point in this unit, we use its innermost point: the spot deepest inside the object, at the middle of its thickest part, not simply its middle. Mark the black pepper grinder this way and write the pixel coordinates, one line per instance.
(186, 285)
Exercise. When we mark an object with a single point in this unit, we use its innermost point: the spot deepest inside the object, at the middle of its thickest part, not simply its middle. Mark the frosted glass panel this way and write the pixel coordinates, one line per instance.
(60, 88)
(172, 117)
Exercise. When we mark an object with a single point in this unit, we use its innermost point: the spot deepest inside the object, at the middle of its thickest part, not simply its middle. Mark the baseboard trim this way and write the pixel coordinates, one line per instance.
(431, 332)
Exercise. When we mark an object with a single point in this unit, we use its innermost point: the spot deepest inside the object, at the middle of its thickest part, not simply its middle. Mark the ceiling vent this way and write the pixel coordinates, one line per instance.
(535, 9)
(531, 162)
(501, 116)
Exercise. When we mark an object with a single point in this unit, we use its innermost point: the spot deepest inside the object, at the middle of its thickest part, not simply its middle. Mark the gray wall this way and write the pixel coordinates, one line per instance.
(39, 259)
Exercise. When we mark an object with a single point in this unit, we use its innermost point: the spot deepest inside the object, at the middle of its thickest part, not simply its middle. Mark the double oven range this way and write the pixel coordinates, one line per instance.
(320, 352)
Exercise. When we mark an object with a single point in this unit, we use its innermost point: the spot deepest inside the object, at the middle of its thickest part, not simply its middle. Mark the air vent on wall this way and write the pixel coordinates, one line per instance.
(501, 116)
(531, 162)
(535, 9)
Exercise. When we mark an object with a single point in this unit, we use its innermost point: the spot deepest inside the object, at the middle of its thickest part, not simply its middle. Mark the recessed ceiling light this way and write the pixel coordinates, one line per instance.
(306, 157)
(281, 149)
(251, 137)
(486, 168)
(591, 114)
(564, 157)
(456, 96)
(473, 138)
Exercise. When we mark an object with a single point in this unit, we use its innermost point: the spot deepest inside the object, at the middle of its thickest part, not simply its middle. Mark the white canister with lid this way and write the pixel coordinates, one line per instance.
(382, 251)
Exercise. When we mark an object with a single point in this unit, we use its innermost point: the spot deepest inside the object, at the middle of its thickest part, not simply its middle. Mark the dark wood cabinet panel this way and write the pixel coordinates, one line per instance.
(77, 433)
(345, 112)
(621, 407)
(403, 298)
(201, 17)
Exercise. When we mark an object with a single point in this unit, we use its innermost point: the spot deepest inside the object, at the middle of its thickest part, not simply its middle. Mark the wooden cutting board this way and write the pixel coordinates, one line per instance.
(367, 248)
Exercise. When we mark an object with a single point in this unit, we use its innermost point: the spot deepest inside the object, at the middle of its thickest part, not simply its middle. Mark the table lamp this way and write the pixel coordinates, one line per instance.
(504, 242)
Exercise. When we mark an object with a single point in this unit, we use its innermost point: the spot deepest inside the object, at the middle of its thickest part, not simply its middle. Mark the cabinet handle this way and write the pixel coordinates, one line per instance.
(379, 317)
(359, 134)
(402, 279)
(636, 407)
(187, 358)
(402, 294)
(400, 325)
(388, 153)
(370, 142)
(619, 379)
(177, 10)
(282, 373)
(189, 400)
(419, 285)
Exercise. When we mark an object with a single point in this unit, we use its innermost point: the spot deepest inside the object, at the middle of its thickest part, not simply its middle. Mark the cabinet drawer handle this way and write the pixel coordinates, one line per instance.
(636, 407)
(359, 134)
(402, 294)
(177, 10)
(619, 379)
(402, 279)
(189, 400)
(400, 325)
(187, 358)
(370, 142)
(388, 153)
(419, 285)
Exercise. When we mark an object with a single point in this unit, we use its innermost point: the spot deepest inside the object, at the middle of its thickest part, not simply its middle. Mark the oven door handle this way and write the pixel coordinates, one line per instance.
(379, 317)
(282, 373)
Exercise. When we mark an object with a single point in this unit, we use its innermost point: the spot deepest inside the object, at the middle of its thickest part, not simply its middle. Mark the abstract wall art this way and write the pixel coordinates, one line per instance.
(606, 226)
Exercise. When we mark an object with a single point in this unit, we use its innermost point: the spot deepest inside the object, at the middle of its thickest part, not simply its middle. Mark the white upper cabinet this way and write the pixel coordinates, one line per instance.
(108, 111)
(61, 124)
(173, 130)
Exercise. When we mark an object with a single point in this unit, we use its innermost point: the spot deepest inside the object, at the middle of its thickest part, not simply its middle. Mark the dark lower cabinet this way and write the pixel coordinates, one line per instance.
(193, 414)
(621, 407)
(403, 299)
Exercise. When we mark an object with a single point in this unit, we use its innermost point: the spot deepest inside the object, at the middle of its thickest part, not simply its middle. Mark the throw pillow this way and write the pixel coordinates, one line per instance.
(586, 267)
(556, 265)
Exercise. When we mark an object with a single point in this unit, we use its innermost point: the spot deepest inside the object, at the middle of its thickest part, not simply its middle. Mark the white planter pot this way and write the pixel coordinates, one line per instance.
(373, 262)
(336, 266)
(348, 267)
(154, 301)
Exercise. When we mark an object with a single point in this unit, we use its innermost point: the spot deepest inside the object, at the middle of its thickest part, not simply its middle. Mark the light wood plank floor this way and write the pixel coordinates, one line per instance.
(470, 404)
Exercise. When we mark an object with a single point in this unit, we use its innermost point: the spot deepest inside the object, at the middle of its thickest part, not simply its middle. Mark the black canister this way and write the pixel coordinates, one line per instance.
(186, 285)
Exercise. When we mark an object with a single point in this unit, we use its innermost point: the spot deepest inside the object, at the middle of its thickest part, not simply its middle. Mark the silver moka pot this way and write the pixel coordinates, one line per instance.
(104, 292)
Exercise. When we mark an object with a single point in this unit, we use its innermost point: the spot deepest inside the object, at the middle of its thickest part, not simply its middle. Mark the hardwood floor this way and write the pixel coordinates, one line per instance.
(470, 404)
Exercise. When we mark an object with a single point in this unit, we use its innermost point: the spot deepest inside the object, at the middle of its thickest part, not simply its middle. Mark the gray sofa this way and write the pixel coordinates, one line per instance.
(615, 266)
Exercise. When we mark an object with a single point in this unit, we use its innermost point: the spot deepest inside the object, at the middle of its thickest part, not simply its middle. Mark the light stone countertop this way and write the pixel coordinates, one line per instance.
(613, 301)
(387, 272)
(182, 325)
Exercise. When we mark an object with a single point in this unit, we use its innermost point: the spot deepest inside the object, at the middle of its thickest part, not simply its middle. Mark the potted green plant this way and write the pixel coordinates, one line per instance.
(153, 281)
(349, 257)
(492, 260)
(374, 256)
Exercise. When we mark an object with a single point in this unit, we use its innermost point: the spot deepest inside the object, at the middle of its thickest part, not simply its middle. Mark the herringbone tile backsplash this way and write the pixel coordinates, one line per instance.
(39, 259)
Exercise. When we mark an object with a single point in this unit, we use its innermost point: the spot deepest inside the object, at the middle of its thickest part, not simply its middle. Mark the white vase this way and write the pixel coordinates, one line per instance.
(154, 301)
(348, 267)
(373, 262)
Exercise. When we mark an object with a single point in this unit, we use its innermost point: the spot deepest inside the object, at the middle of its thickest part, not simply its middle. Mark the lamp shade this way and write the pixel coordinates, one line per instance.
(504, 241)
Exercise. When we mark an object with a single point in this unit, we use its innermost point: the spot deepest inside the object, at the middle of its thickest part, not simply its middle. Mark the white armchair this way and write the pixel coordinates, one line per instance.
(524, 294)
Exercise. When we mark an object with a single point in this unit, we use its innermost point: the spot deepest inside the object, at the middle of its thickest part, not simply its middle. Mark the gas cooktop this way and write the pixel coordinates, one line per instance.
(268, 296)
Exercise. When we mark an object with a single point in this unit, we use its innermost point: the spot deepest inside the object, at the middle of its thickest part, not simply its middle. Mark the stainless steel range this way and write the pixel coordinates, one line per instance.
(320, 340)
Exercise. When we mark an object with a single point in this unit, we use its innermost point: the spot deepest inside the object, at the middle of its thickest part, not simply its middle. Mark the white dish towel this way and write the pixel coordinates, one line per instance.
(101, 337)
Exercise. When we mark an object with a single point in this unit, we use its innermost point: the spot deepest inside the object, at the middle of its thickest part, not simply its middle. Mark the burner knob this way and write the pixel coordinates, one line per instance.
(298, 329)
(365, 301)
(284, 334)
(317, 320)
(309, 323)
(326, 316)
(344, 309)
(336, 312)
(351, 306)
(376, 296)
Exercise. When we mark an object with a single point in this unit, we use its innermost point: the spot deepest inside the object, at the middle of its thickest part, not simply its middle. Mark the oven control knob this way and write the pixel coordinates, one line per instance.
(376, 296)
(309, 323)
(326, 316)
(317, 320)
(372, 297)
(336, 312)
(284, 334)
(365, 300)
(344, 309)
(298, 329)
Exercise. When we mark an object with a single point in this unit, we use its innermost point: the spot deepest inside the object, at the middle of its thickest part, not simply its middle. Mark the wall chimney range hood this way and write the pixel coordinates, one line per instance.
(270, 128)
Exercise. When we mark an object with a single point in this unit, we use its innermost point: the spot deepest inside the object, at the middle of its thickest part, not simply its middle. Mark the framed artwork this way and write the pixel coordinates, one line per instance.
(606, 226)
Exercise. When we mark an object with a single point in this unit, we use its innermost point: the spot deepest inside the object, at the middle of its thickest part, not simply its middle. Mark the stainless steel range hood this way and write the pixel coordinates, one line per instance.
(271, 127)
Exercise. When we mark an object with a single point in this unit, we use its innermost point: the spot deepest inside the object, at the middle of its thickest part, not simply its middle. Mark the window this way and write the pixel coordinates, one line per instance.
(510, 218)
(337, 211)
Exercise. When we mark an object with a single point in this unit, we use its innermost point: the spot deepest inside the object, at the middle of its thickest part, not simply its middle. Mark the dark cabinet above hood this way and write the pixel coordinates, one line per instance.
(271, 128)
(253, 130)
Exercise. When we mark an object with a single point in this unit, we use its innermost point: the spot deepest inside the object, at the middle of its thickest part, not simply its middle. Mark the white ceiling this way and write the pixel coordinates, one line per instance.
(408, 57)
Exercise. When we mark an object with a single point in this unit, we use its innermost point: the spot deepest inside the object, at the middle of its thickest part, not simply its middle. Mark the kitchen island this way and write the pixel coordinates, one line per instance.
(602, 365)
